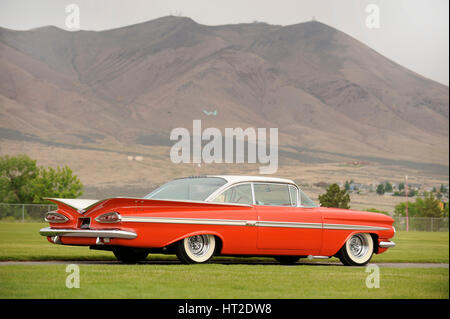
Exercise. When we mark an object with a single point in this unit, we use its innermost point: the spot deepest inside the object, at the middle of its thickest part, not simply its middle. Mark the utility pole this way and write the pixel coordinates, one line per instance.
(406, 194)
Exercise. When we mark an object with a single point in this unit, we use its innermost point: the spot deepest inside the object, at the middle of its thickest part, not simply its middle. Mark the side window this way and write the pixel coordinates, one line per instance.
(240, 194)
(293, 195)
(272, 194)
(305, 201)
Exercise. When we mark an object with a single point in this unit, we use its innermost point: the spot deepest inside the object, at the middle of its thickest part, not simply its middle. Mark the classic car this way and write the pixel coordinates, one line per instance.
(199, 217)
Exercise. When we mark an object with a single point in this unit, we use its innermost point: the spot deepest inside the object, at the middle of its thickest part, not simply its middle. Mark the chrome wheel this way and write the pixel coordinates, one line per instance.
(358, 245)
(196, 249)
(357, 250)
(199, 245)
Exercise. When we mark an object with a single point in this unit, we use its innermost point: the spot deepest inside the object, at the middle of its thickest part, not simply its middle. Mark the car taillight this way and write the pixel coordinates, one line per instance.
(54, 217)
(113, 217)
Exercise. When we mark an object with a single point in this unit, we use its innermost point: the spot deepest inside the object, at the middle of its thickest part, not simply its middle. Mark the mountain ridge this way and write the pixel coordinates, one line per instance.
(324, 89)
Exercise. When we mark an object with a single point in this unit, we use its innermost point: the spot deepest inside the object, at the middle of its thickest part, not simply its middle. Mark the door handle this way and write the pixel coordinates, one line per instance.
(250, 223)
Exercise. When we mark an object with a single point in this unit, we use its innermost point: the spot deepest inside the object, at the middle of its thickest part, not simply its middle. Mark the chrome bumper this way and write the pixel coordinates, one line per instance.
(386, 244)
(94, 233)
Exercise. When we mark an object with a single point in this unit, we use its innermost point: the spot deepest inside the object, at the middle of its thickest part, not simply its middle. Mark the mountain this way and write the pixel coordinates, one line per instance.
(329, 94)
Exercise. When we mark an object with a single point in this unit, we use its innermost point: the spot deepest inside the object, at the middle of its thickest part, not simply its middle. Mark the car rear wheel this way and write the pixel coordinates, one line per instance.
(196, 249)
(357, 250)
(130, 255)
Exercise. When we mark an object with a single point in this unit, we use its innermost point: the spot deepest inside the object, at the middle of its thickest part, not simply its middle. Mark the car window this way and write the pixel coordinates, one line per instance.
(191, 188)
(305, 201)
(272, 194)
(239, 194)
(293, 195)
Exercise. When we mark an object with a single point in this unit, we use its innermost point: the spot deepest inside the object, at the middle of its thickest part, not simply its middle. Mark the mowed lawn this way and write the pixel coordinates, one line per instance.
(21, 241)
(218, 280)
(221, 281)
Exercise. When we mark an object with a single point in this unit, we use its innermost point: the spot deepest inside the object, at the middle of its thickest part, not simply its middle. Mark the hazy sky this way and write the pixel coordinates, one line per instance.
(413, 33)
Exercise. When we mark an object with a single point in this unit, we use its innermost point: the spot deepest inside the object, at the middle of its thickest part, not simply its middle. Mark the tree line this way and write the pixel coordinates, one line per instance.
(22, 181)
(428, 206)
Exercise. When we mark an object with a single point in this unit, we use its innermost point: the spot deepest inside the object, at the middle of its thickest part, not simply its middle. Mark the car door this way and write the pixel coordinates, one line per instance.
(242, 237)
(282, 223)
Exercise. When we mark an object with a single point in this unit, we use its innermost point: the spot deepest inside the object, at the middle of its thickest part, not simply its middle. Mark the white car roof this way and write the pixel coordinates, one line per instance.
(232, 179)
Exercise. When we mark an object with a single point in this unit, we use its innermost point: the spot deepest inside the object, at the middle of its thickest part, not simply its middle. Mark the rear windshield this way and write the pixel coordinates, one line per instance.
(195, 189)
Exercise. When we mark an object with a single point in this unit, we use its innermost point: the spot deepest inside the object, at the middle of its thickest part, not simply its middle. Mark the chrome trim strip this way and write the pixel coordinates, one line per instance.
(386, 244)
(229, 222)
(289, 224)
(352, 227)
(198, 221)
(48, 231)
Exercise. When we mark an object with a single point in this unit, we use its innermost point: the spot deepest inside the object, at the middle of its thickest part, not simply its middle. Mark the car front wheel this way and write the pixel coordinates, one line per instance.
(357, 250)
(196, 249)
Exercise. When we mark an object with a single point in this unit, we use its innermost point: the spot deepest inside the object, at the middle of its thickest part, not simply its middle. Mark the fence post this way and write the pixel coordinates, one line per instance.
(432, 223)
(23, 213)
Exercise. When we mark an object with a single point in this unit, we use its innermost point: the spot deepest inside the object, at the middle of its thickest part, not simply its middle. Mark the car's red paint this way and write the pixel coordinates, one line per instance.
(245, 239)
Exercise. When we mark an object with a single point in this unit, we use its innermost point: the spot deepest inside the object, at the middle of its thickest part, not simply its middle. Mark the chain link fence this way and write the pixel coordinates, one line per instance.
(36, 213)
(421, 223)
(24, 212)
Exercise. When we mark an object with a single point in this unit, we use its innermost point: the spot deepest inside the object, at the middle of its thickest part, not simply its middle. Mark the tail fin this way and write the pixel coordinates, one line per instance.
(79, 205)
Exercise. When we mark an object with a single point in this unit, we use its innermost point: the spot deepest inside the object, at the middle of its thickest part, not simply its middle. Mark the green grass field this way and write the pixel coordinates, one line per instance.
(220, 281)
(21, 241)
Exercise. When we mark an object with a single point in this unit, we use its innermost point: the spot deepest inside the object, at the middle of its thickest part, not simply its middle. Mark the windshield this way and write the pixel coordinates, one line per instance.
(195, 189)
(305, 201)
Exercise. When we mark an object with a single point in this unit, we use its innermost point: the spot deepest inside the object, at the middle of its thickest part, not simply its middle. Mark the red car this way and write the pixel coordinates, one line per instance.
(197, 218)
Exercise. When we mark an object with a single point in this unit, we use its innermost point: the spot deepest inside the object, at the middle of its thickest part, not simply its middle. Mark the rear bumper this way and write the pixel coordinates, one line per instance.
(90, 233)
(386, 244)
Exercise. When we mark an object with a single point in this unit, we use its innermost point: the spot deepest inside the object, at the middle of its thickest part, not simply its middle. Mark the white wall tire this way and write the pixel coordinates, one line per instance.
(196, 249)
(357, 250)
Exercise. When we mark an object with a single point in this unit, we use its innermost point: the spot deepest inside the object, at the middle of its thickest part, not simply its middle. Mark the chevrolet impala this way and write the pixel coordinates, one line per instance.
(200, 217)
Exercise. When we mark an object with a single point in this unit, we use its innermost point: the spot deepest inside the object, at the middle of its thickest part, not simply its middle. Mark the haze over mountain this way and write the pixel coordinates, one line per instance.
(325, 91)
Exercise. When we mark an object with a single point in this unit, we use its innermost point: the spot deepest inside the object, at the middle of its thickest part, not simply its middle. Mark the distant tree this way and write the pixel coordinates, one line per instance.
(428, 206)
(21, 181)
(335, 197)
(412, 192)
(434, 190)
(16, 176)
(59, 183)
(380, 189)
(387, 187)
(401, 186)
(442, 189)
(347, 185)
(422, 207)
(400, 209)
